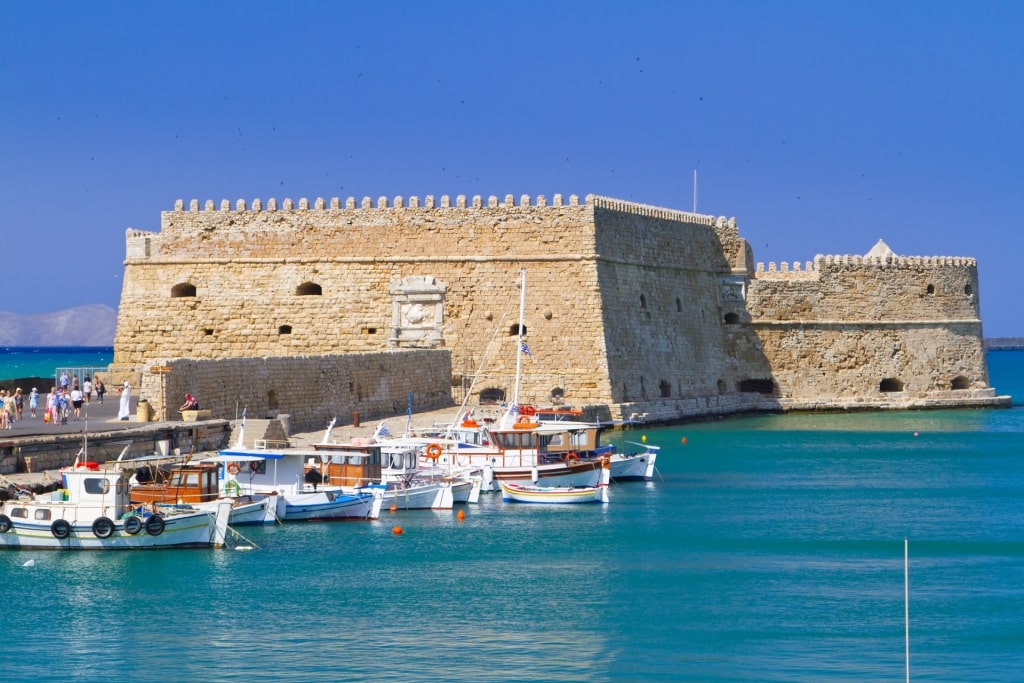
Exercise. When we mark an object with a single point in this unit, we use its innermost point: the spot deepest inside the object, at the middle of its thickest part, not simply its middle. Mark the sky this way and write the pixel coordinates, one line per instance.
(821, 127)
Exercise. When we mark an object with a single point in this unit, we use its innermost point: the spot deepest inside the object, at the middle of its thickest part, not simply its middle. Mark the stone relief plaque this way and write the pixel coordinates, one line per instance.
(417, 312)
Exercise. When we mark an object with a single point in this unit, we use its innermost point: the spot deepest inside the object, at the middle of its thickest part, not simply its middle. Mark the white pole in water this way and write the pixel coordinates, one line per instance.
(906, 602)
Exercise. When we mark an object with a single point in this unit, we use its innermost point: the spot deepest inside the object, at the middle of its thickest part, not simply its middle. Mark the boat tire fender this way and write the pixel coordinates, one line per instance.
(102, 527)
(155, 525)
(132, 525)
(61, 528)
(5, 524)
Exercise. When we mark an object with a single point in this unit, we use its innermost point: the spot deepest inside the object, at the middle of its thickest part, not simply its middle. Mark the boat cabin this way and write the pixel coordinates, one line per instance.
(194, 483)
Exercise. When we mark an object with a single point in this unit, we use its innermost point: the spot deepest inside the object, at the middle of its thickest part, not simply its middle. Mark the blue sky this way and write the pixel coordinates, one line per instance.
(821, 126)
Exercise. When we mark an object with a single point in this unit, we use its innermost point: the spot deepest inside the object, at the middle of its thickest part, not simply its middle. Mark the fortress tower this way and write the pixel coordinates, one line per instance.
(629, 308)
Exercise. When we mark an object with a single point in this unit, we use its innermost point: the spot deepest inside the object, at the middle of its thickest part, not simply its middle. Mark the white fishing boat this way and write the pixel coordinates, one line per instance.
(634, 466)
(92, 511)
(558, 495)
(302, 493)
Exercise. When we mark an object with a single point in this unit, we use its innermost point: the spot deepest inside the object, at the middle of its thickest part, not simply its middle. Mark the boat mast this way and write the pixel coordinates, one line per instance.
(519, 347)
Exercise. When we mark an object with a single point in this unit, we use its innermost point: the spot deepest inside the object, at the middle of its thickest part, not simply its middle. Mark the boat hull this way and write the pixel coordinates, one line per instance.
(309, 506)
(196, 530)
(633, 466)
(516, 493)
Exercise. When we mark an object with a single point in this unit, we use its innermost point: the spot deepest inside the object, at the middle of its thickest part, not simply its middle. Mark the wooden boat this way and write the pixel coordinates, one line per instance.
(93, 511)
(199, 485)
(558, 495)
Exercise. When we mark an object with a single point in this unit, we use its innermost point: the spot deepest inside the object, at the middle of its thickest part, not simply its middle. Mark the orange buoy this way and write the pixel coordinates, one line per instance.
(393, 508)
(460, 515)
(397, 530)
(684, 439)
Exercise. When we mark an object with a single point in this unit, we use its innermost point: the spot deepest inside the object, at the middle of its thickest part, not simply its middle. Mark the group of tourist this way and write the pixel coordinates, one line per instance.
(63, 402)
(12, 405)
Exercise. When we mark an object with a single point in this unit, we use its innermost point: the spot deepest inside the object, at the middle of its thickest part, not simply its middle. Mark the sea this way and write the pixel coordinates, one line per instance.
(768, 548)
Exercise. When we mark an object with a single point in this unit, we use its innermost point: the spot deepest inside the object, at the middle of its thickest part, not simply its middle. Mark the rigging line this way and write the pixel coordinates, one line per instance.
(476, 375)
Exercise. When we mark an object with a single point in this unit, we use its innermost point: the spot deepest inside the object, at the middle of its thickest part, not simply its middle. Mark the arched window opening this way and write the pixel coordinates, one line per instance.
(309, 289)
(757, 386)
(732, 318)
(666, 389)
(643, 301)
(960, 382)
(492, 396)
(284, 329)
(890, 384)
(679, 305)
(513, 330)
(208, 331)
(968, 290)
(183, 289)
(557, 395)
(272, 400)
(930, 289)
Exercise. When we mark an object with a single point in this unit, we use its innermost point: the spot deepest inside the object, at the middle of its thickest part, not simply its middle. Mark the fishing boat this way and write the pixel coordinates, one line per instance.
(93, 511)
(558, 495)
(407, 484)
(636, 466)
(198, 485)
(301, 490)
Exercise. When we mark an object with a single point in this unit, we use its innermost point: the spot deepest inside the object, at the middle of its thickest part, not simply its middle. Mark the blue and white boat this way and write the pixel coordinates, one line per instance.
(302, 486)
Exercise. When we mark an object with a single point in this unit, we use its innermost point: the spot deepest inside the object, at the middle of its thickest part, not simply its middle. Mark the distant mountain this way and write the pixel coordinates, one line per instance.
(82, 326)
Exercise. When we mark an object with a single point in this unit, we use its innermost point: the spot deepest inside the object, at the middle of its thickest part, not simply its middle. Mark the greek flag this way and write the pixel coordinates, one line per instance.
(382, 430)
(523, 348)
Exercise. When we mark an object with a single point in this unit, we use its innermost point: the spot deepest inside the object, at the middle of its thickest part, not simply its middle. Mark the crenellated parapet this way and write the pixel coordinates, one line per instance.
(813, 269)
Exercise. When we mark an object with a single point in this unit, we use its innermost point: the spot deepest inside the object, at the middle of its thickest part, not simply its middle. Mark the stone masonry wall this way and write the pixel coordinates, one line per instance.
(841, 326)
(311, 390)
(627, 305)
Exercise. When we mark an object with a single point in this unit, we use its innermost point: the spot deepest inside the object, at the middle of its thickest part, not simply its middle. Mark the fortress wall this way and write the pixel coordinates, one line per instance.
(858, 289)
(659, 284)
(312, 390)
(850, 361)
(840, 327)
(627, 305)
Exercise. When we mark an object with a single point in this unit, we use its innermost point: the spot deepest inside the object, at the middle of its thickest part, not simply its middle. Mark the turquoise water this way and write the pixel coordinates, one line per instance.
(42, 361)
(768, 549)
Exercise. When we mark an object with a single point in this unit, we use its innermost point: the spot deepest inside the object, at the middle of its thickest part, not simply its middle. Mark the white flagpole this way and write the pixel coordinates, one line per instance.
(695, 190)
(906, 602)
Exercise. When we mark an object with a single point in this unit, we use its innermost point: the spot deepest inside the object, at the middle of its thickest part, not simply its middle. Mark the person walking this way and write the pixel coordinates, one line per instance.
(33, 402)
(87, 390)
(125, 410)
(76, 401)
(100, 389)
(19, 404)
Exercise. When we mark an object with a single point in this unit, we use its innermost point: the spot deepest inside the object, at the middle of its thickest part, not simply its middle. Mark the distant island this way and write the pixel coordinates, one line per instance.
(92, 325)
(1004, 343)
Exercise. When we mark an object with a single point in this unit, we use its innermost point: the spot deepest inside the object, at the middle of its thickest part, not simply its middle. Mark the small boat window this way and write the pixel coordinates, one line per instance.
(96, 486)
(19, 512)
(42, 514)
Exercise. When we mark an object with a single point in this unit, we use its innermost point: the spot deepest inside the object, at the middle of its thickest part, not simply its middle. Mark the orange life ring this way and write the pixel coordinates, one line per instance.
(523, 423)
(527, 410)
(233, 468)
(571, 458)
(434, 451)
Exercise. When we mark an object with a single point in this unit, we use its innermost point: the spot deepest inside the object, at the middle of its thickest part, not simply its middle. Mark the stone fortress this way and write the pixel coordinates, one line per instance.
(324, 309)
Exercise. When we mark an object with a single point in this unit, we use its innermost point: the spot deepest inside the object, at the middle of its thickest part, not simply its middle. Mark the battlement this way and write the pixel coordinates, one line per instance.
(445, 202)
(812, 270)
